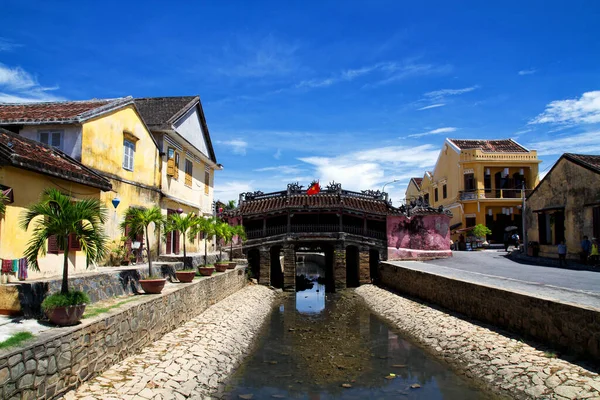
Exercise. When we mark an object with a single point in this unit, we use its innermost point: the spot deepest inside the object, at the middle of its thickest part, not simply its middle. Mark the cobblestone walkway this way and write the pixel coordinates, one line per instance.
(192, 361)
(506, 365)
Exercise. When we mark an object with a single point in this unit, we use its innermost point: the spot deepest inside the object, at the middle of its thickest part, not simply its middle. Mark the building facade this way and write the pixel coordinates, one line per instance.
(481, 182)
(27, 167)
(108, 137)
(565, 206)
(188, 161)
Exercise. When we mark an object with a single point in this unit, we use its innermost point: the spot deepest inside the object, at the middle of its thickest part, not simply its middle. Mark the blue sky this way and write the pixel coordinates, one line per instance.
(357, 92)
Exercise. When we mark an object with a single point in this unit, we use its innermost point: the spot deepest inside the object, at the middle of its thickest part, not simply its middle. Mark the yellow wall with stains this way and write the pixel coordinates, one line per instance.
(27, 189)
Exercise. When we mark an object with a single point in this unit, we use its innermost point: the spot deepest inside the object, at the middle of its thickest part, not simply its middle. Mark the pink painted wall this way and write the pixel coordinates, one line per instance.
(421, 236)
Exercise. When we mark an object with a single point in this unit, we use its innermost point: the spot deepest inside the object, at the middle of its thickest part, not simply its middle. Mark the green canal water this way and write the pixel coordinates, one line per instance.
(320, 345)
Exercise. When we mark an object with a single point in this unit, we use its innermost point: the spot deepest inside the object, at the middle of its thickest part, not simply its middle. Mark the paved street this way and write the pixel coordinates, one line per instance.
(492, 268)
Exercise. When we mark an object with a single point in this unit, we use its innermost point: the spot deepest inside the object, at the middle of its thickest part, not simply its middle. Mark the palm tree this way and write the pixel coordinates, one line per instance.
(61, 217)
(138, 220)
(236, 230)
(3, 200)
(180, 224)
(206, 226)
(230, 205)
(222, 231)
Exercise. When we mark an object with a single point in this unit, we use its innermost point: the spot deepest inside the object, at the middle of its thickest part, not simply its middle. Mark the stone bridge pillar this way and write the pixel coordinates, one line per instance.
(265, 266)
(339, 267)
(289, 268)
(364, 271)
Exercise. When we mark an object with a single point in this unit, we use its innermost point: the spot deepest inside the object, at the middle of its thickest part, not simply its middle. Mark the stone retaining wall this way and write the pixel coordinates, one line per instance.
(106, 282)
(62, 358)
(197, 260)
(566, 327)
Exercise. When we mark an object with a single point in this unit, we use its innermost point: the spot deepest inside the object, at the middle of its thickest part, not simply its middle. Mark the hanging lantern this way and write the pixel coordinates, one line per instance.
(179, 210)
(521, 172)
(490, 212)
(505, 172)
(116, 201)
(487, 171)
(511, 210)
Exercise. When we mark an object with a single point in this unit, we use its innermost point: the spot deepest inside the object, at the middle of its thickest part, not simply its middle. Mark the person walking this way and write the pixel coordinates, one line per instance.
(586, 249)
(506, 241)
(562, 253)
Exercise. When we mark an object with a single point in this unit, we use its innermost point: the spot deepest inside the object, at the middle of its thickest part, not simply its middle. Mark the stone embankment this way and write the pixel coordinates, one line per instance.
(192, 361)
(501, 364)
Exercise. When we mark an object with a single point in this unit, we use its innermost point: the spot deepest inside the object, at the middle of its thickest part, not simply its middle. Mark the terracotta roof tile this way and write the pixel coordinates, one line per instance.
(21, 152)
(589, 160)
(59, 111)
(490, 146)
(418, 182)
(314, 202)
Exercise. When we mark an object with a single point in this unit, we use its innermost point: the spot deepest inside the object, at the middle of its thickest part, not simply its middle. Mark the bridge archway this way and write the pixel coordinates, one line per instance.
(276, 267)
(254, 263)
(352, 266)
(374, 265)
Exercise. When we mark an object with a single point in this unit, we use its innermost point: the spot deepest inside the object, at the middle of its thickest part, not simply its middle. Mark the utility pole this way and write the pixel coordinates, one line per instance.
(524, 219)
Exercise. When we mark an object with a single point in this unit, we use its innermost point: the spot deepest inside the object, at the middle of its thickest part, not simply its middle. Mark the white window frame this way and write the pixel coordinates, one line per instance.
(128, 158)
(50, 133)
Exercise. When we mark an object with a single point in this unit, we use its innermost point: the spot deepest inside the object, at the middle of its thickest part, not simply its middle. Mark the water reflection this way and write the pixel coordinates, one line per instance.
(310, 295)
(309, 355)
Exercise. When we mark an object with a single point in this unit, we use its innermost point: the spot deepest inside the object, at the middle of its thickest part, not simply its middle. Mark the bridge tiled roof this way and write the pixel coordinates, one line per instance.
(319, 201)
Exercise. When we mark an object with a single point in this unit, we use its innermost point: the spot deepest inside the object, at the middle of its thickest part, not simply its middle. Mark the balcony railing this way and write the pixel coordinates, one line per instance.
(491, 194)
(314, 228)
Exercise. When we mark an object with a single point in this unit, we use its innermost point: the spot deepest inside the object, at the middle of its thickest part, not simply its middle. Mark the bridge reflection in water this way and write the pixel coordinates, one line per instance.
(310, 282)
(315, 342)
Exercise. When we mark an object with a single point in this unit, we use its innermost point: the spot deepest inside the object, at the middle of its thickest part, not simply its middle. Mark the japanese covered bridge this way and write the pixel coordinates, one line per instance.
(352, 230)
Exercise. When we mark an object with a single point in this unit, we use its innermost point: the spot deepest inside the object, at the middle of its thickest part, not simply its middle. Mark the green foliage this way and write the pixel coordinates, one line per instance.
(481, 231)
(230, 205)
(182, 224)
(56, 214)
(16, 339)
(72, 298)
(3, 200)
(138, 220)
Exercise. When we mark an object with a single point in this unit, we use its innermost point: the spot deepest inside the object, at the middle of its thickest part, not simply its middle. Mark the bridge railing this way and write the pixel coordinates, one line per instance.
(314, 228)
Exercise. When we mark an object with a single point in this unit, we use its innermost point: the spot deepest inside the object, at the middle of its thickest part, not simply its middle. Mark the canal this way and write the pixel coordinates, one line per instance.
(321, 345)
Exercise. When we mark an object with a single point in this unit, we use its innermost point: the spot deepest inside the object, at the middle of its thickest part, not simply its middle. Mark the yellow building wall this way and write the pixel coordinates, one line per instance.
(412, 191)
(102, 149)
(28, 187)
(197, 245)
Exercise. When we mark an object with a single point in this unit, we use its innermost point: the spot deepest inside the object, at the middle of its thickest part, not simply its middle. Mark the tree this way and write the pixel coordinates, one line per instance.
(230, 205)
(206, 226)
(57, 215)
(481, 231)
(222, 232)
(236, 230)
(3, 200)
(138, 220)
(180, 224)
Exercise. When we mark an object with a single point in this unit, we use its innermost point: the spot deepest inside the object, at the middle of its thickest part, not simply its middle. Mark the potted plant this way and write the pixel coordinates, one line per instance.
(183, 225)
(236, 230)
(58, 216)
(116, 253)
(207, 227)
(138, 220)
(221, 232)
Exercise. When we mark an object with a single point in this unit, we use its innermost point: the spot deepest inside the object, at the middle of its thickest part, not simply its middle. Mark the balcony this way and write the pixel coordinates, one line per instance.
(480, 194)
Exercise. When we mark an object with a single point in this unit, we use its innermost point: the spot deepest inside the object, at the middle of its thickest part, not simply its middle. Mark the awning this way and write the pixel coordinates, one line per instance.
(557, 208)
(453, 227)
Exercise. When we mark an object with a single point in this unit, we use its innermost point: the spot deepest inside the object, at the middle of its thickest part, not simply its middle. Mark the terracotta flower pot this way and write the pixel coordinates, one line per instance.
(152, 286)
(185, 276)
(65, 316)
(206, 271)
(221, 267)
(231, 265)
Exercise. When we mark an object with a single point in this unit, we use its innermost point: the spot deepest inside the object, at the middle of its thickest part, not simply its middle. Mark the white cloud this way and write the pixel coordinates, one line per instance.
(450, 92)
(585, 110)
(238, 146)
(527, 71)
(282, 169)
(431, 106)
(18, 85)
(434, 132)
(8, 45)
(586, 142)
(277, 154)
(371, 169)
(231, 190)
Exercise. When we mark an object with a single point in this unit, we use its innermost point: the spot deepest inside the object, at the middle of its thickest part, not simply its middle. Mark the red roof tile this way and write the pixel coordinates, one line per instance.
(25, 153)
(319, 201)
(61, 111)
(418, 182)
(490, 146)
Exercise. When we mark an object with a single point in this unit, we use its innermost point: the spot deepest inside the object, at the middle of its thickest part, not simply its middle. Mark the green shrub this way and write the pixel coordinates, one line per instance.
(73, 298)
(481, 231)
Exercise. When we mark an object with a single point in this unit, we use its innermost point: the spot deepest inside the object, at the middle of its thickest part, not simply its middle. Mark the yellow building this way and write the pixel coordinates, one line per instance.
(413, 190)
(27, 168)
(188, 161)
(108, 136)
(481, 182)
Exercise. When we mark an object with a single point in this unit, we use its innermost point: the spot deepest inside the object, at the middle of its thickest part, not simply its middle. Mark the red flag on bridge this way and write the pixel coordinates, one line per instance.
(313, 189)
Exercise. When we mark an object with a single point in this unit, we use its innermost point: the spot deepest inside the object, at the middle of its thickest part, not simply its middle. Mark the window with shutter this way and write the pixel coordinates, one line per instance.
(128, 154)
(53, 247)
(51, 138)
(176, 166)
(189, 166)
(206, 182)
(74, 243)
